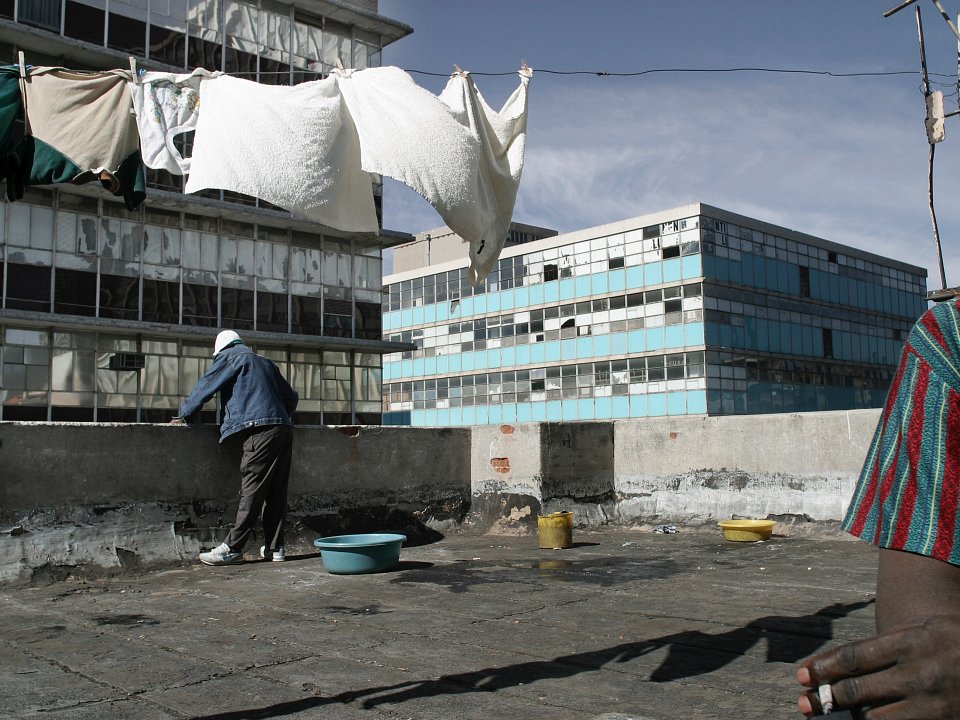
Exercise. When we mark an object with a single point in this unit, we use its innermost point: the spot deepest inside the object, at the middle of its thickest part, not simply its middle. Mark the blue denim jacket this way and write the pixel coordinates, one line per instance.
(252, 391)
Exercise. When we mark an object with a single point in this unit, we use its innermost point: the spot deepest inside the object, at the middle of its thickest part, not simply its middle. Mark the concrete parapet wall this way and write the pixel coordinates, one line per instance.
(116, 496)
(667, 470)
(77, 464)
(125, 496)
(682, 469)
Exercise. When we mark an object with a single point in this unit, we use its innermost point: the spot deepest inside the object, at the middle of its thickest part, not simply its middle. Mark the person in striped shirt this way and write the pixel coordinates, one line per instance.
(906, 503)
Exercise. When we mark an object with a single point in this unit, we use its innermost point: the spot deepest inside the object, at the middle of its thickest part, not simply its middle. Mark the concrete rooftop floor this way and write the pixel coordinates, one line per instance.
(626, 624)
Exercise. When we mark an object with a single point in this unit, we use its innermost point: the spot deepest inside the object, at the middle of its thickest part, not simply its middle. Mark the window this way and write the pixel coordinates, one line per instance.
(41, 13)
(271, 312)
(368, 321)
(83, 22)
(75, 293)
(199, 305)
(306, 315)
(168, 46)
(236, 308)
(119, 297)
(804, 281)
(161, 301)
(28, 287)
(127, 34)
(337, 317)
(207, 55)
(675, 366)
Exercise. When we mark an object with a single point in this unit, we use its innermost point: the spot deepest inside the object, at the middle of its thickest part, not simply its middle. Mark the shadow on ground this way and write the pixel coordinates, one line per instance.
(789, 639)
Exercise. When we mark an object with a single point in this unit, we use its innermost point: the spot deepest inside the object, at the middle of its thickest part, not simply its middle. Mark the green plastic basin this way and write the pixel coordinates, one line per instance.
(358, 554)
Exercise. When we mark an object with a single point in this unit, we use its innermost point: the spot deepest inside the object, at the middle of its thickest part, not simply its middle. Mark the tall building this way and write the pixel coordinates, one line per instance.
(107, 313)
(690, 311)
(441, 245)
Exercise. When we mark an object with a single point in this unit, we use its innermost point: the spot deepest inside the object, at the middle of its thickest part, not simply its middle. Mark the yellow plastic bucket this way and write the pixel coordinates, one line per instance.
(555, 530)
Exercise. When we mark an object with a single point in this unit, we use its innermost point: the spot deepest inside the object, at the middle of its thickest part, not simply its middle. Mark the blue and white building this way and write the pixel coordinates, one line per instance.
(689, 311)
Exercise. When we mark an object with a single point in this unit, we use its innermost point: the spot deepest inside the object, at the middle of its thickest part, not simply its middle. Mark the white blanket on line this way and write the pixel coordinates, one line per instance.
(308, 148)
(502, 138)
(463, 157)
(294, 147)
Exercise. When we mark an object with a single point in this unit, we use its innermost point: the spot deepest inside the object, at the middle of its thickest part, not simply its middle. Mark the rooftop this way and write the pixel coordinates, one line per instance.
(626, 624)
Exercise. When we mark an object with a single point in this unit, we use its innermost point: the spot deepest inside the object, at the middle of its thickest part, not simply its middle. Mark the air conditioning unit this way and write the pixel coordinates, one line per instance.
(127, 361)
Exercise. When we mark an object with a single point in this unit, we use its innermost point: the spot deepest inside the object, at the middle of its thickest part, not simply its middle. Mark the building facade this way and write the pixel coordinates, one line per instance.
(690, 311)
(442, 245)
(108, 314)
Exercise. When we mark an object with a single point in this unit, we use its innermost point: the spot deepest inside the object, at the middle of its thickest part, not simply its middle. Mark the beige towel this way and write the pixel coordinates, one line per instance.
(83, 115)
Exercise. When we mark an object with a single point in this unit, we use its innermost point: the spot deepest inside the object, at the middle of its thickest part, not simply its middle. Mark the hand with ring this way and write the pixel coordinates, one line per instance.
(910, 671)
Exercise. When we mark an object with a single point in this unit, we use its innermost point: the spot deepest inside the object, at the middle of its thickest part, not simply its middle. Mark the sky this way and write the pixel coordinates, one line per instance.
(842, 158)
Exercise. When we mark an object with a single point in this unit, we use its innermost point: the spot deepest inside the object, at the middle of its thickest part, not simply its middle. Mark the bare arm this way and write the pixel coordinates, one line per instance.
(912, 586)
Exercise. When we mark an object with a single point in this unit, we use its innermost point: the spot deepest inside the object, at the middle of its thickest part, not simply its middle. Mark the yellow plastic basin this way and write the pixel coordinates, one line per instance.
(747, 530)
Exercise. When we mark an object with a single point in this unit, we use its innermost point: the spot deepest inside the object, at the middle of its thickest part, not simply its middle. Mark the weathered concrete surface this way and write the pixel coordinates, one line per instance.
(128, 496)
(684, 469)
(579, 471)
(672, 469)
(625, 625)
(77, 464)
(506, 477)
(521, 471)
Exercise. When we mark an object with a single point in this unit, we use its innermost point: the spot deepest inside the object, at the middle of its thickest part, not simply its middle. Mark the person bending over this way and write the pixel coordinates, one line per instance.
(258, 406)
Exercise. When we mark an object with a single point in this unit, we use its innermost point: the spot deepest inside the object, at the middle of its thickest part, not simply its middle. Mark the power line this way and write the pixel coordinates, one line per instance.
(652, 71)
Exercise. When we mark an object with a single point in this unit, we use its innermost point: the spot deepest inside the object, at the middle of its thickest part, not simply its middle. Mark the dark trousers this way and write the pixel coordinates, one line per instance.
(264, 475)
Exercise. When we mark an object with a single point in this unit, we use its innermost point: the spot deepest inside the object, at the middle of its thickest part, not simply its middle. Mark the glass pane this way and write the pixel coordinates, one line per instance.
(73, 370)
(41, 13)
(127, 34)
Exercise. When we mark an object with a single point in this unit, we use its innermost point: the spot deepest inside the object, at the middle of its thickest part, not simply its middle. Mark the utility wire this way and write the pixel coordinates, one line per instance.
(604, 73)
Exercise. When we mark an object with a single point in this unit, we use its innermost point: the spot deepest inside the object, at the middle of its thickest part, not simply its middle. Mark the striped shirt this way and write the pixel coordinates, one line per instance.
(906, 497)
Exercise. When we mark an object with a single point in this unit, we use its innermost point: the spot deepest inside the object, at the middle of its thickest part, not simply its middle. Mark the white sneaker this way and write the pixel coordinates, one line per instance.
(274, 555)
(221, 555)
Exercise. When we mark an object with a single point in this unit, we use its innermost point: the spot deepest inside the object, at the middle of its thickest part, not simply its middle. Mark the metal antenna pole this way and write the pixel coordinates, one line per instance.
(945, 293)
(898, 8)
(923, 56)
(933, 214)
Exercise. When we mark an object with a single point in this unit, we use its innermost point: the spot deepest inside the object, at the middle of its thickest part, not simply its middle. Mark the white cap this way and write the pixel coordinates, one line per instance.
(226, 337)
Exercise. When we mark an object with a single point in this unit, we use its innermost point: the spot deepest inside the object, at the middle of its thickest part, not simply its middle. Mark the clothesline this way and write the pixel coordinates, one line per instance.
(638, 73)
(652, 71)
(307, 148)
